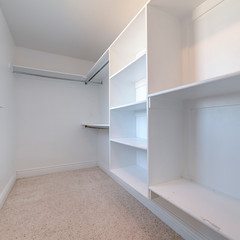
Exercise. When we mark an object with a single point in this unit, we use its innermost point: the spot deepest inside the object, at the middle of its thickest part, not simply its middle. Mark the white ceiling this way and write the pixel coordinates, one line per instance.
(76, 28)
(179, 8)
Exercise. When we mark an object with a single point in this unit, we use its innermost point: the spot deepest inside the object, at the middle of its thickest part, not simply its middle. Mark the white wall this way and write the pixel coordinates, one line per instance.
(7, 141)
(42, 60)
(49, 131)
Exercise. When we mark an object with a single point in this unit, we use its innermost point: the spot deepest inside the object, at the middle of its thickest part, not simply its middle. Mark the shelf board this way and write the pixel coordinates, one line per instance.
(129, 69)
(132, 142)
(47, 73)
(134, 176)
(137, 106)
(96, 125)
(225, 84)
(215, 210)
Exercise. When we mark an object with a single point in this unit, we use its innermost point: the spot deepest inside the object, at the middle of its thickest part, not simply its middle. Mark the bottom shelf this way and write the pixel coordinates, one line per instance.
(213, 209)
(134, 176)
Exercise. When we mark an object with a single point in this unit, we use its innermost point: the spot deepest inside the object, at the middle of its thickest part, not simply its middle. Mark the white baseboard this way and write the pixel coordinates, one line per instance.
(6, 190)
(54, 169)
(187, 227)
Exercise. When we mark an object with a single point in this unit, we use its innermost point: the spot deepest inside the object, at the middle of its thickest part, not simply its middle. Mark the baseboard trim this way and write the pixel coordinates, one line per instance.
(6, 190)
(33, 172)
(187, 231)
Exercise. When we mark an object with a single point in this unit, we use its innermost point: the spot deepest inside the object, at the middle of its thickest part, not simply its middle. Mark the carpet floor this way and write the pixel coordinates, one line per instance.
(77, 205)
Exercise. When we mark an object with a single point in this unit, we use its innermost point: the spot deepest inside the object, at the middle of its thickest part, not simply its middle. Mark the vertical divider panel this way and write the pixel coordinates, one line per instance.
(164, 50)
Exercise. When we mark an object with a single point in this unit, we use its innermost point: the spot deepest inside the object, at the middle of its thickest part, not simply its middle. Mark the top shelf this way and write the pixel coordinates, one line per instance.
(131, 67)
(225, 84)
(47, 73)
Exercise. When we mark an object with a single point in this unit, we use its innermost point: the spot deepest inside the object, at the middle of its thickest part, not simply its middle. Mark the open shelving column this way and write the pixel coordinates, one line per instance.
(193, 118)
(128, 106)
(200, 151)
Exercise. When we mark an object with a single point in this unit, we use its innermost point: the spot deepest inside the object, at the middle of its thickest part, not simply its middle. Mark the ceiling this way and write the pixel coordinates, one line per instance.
(179, 8)
(76, 28)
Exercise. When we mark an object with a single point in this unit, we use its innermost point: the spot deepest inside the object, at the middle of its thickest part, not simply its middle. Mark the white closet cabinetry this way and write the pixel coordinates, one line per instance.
(181, 144)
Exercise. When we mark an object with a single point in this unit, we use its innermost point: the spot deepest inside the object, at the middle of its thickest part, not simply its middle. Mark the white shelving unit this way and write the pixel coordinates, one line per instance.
(123, 83)
(182, 143)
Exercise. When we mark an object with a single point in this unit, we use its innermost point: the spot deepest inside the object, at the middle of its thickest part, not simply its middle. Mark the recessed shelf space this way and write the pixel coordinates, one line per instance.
(128, 124)
(129, 85)
(195, 135)
(219, 212)
(138, 106)
(134, 176)
(130, 165)
(132, 142)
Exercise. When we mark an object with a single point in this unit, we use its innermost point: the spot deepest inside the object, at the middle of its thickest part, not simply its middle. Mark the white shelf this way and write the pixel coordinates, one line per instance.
(138, 106)
(133, 68)
(134, 176)
(47, 73)
(217, 211)
(225, 84)
(132, 142)
(96, 125)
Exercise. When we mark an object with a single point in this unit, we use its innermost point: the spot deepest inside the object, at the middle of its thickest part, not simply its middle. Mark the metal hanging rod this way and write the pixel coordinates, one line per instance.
(58, 78)
(99, 70)
(95, 127)
(50, 74)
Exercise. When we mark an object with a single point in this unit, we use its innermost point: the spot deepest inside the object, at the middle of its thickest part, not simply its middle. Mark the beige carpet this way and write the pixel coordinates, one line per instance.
(77, 205)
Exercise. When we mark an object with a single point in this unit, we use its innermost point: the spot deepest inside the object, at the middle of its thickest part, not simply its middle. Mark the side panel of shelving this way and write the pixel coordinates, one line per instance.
(166, 141)
(123, 124)
(103, 135)
(164, 50)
